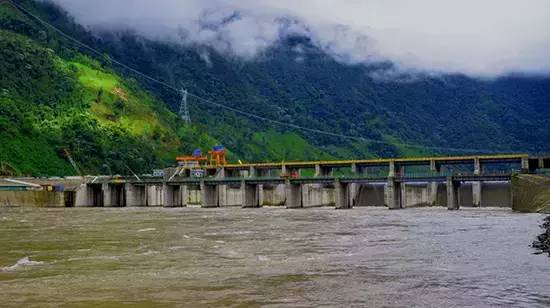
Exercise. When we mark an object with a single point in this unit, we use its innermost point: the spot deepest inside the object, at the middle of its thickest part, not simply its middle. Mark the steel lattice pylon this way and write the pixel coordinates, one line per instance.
(184, 108)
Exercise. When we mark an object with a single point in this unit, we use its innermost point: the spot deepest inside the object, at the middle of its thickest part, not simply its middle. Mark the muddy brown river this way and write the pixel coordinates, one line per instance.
(369, 257)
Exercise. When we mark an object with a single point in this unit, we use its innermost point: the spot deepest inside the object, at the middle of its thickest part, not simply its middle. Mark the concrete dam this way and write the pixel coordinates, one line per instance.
(452, 182)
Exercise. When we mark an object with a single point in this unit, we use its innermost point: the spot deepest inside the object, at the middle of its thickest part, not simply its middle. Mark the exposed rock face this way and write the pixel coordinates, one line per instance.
(542, 243)
(531, 193)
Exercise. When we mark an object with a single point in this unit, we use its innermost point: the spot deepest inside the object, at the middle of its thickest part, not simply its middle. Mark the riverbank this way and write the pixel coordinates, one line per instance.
(542, 243)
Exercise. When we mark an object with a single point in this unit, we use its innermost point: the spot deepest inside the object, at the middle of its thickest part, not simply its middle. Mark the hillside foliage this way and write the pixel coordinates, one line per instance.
(56, 96)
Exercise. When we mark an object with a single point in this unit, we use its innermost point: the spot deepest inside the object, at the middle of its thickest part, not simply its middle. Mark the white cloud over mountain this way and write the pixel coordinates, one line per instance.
(483, 38)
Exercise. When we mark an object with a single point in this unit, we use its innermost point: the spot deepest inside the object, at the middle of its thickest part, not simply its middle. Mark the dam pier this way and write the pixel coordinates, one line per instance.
(452, 182)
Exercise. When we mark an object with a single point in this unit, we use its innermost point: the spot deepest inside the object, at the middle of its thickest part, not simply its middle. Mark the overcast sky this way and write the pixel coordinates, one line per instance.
(480, 38)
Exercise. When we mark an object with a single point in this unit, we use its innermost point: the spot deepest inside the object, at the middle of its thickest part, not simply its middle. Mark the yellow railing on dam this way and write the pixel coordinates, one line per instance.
(312, 164)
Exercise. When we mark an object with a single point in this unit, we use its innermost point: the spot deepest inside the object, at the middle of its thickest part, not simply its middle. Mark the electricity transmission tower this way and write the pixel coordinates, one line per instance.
(184, 108)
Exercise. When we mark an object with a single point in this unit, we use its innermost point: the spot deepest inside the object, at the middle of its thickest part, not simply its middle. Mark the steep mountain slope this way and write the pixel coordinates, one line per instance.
(56, 95)
(53, 98)
(309, 88)
(296, 82)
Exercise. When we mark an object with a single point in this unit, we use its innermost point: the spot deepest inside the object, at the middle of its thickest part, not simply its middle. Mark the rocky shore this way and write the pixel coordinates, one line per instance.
(542, 243)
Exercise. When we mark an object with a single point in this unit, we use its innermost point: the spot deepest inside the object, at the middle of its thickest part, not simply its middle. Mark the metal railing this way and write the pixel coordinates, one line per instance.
(347, 177)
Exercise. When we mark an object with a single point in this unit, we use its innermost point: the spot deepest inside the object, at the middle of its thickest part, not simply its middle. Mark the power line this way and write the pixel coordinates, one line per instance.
(235, 110)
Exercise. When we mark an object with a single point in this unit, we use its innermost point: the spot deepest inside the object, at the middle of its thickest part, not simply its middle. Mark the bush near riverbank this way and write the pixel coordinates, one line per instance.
(542, 244)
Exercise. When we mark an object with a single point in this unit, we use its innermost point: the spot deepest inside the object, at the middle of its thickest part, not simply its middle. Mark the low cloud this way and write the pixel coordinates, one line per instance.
(486, 38)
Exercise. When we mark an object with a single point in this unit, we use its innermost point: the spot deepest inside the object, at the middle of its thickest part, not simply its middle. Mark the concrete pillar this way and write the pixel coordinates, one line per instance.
(259, 173)
(184, 195)
(433, 166)
(393, 194)
(322, 171)
(477, 167)
(312, 195)
(432, 193)
(113, 195)
(193, 195)
(209, 195)
(477, 192)
(293, 194)
(135, 195)
(147, 193)
(452, 194)
(221, 190)
(84, 196)
(222, 195)
(170, 195)
(391, 172)
(155, 195)
(541, 163)
(525, 164)
(354, 169)
(250, 195)
(284, 170)
(91, 195)
(403, 195)
(107, 194)
(131, 195)
(261, 195)
(318, 171)
(353, 188)
(252, 172)
(341, 195)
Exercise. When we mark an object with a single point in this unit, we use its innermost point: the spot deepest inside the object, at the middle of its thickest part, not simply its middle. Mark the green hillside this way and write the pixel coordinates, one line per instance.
(51, 102)
(295, 82)
(55, 96)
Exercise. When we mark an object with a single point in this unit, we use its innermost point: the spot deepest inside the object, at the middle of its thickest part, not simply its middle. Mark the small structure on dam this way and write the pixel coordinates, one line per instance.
(208, 181)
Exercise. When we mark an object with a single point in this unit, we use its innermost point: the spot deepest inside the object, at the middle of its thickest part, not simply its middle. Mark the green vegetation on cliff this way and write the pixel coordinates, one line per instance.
(49, 104)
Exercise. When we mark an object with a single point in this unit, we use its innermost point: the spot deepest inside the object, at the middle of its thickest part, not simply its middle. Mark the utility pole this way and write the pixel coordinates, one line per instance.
(184, 108)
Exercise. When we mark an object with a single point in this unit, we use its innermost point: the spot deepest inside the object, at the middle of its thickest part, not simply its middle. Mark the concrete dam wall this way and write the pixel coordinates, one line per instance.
(490, 194)
(32, 198)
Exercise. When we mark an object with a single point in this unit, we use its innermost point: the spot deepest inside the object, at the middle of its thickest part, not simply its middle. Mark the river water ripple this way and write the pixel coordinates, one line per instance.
(371, 257)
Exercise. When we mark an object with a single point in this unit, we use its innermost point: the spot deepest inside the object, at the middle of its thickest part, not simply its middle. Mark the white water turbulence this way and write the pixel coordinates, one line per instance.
(147, 230)
(25, 261)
